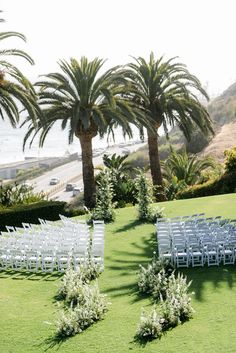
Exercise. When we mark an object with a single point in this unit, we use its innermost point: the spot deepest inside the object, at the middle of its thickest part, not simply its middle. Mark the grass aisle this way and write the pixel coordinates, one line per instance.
(27, 305)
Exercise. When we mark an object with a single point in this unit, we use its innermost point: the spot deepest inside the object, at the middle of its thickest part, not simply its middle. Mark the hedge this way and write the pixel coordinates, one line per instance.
(14, 216)
(223, 185)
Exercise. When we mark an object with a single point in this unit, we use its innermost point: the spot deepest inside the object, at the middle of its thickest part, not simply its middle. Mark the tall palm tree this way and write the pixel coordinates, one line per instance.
(14, 86)
(167, 92)
(89, 104)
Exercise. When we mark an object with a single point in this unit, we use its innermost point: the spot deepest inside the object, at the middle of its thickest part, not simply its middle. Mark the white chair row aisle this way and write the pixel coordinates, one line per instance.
(197, 240)
(51, 246)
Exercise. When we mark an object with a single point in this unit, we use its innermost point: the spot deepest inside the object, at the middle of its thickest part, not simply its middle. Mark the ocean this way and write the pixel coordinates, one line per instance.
(56, 143)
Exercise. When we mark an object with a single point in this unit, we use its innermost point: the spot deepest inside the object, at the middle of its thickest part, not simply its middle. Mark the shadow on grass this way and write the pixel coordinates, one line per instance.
(54, 341)
(32, 276)
(132, 225)
(216, 276)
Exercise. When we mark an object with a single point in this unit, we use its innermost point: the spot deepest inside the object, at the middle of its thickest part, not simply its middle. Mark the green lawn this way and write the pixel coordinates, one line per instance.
(27, 306)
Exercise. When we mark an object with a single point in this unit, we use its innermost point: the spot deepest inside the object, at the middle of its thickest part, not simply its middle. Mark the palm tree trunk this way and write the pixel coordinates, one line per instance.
(88, 170)
(155, 165)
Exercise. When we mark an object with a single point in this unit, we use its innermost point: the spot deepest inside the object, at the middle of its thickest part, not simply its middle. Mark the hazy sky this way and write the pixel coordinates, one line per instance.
(201, 33)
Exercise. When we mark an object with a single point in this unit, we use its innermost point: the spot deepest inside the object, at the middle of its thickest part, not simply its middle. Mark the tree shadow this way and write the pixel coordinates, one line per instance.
(132, 225)
(31, 276)
(216, 275)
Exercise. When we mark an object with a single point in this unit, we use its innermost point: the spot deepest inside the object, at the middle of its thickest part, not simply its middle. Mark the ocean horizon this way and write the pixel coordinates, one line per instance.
(56, 143)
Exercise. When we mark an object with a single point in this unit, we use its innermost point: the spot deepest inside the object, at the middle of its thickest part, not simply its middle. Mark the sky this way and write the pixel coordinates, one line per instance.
(201, 33)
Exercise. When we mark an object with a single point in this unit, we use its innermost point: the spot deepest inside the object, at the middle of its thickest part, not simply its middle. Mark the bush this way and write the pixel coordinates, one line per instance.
(222, 185)
(230, 163)
(73, 279)
(153, 279)
(14, 216)
(104, 209)
(91, 306)
(175, 308)
(14, 194)
(150, 326)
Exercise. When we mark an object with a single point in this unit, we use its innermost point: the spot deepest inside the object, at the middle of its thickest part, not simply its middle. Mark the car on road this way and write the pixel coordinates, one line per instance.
(54, 181)
(70, 186)
(77, 190)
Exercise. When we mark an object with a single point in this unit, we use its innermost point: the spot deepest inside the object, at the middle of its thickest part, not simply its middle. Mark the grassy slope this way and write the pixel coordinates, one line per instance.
(26, 303)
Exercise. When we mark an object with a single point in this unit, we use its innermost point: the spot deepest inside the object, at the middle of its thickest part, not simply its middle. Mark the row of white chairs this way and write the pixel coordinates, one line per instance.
(51, 246)
(196, 240)
(47, 261)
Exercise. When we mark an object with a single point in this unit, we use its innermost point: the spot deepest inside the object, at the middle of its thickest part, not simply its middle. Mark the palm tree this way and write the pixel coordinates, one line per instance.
(186, 167)
(14, 86)
(167, 92)
(89, 104)
(117, 165)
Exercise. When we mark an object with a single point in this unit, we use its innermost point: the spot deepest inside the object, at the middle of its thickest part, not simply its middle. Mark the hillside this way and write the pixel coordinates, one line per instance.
(223, 108)
(224, 139)
(223, 114)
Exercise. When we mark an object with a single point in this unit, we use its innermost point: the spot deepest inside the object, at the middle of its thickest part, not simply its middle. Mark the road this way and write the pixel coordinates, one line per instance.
(72, 172)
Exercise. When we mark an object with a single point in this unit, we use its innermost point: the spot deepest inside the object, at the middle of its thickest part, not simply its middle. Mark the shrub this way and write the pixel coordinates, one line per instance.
(144, 198)
(14, 194)
(91, 306)
(104, 209)
(222, 185)
(153, 277)
(66, 324)
(150, 326)
(176, 307)
(72, 279)
(14, 216)
(230, 162)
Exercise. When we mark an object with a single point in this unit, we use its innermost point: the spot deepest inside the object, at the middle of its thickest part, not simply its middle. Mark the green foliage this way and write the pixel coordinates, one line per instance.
(144, 198)
(175, 308)
(104, 209)
(173, 186)
(152, 279)
(91, 307)
(222, 185)
(185, 167)
(13, 194)
(14, 216)
(73, 278)
(15, 87)
(85, 304)
(124, 188)
(150, 326)
(230, 162)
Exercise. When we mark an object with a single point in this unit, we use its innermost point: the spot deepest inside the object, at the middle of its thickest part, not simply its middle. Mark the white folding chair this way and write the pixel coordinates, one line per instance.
(32, 260)
(48, 261)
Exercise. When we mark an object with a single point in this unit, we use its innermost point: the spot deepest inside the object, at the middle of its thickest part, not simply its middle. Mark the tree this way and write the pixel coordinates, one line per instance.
(186, 167)
(167, 92)
(89, 104)
(123, 185)
(117, 165)
(14, 86)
